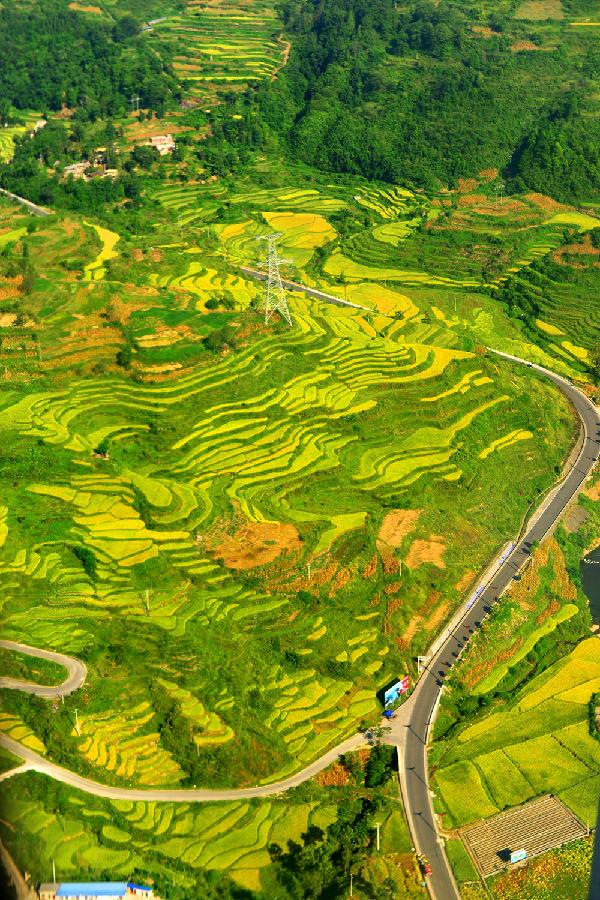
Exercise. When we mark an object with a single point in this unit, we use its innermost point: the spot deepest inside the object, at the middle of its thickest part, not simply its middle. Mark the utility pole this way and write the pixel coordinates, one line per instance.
(135, 103)
(500, 190)
(378, 826)
(309, 572)
(351, 886)
(53, 871)
(275, 297)
(77, 725)
(147, 600)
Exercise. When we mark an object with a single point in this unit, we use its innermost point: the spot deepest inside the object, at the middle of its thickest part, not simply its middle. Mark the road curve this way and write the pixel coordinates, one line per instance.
(413, 730)
(38, 763)
(76, 669)
(410, 730)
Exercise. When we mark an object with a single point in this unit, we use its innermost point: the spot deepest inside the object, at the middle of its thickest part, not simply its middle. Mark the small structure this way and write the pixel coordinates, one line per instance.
(77, 170)
(164, 143)
(48, 890)
(94, 890)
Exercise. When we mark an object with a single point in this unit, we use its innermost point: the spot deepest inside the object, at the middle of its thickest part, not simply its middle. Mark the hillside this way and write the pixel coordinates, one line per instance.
(248, 530)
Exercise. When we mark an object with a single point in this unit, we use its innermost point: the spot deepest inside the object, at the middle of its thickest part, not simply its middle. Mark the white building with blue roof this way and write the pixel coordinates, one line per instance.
(94, 890)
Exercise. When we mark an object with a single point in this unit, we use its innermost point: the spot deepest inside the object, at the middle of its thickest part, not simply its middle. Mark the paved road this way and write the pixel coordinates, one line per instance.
(413, 728)
(32, 207)
(297, 288)
(76, 669)
(38, 763)
(410, 730)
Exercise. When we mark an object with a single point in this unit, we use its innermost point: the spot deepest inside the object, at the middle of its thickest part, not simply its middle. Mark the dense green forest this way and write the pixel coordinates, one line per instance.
(414, 95)
(52, 57)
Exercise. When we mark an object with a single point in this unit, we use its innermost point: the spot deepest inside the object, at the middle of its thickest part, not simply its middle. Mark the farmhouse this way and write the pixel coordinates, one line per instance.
(164, 143)
(76, 170)
(94, 890)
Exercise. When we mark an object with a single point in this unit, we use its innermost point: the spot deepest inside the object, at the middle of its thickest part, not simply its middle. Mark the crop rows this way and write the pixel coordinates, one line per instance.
(542, 745)
(230, 44)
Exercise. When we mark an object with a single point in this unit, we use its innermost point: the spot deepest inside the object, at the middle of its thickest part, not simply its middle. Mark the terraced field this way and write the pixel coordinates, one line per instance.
(539, 744)
(253, 448)
(10, 133)
(221, 43)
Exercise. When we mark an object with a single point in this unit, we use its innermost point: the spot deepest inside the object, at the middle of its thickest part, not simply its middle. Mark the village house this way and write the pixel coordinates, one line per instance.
(76, 170)
(164, 143)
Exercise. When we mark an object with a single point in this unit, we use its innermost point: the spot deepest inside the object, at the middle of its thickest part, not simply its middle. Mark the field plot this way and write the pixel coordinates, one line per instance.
(221, 44)
(10, 133)
(540, 744)
(536, 827)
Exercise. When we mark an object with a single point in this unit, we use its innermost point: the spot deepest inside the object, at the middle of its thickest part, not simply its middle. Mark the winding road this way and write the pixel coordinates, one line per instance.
(411, 727)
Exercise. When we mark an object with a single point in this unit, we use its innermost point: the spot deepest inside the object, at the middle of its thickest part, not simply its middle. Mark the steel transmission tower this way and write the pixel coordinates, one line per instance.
(275, 298)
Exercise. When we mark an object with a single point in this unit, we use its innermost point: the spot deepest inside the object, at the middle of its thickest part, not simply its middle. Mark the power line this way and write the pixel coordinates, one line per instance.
(275, 296)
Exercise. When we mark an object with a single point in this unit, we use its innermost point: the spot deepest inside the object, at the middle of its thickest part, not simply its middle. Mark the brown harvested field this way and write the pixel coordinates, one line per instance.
(438, 615)
(547, 204)
(464, 582)
(538, 10)
(593, 492)
(256, 544)
(336, 775)
(520, 46)
(409, 632)
(397, 524)
(584, 247)
(537, 826)
(422, 552)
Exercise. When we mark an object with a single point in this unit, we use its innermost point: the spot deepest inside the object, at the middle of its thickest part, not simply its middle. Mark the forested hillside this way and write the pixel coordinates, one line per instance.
(429, 92)
(53, 57)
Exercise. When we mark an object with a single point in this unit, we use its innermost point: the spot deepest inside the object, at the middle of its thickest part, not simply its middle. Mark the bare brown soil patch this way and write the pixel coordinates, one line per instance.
(488, 174)
(336, 775)
(256, 544)
(371, 567)
(430, 551)
(584, 247)
(463, 583)
(466, 185)
(545, 203)
(138, 254)
(393, 606)
(593, 492)
(397, 524)
(409, 632)
(483, 31)
(438, 615)
(519, 46)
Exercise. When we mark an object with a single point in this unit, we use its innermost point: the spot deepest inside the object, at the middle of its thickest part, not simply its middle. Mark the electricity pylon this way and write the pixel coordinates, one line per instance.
(275, 298)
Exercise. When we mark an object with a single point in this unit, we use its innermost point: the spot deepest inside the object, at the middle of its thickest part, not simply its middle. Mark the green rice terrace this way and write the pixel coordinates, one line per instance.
(246, 532)
(215, 45)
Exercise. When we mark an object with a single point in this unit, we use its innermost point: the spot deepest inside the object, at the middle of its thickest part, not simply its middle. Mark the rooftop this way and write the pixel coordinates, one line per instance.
(94, 889)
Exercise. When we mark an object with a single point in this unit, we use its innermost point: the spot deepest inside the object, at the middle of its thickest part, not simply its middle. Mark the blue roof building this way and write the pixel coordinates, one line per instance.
(95, 890)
